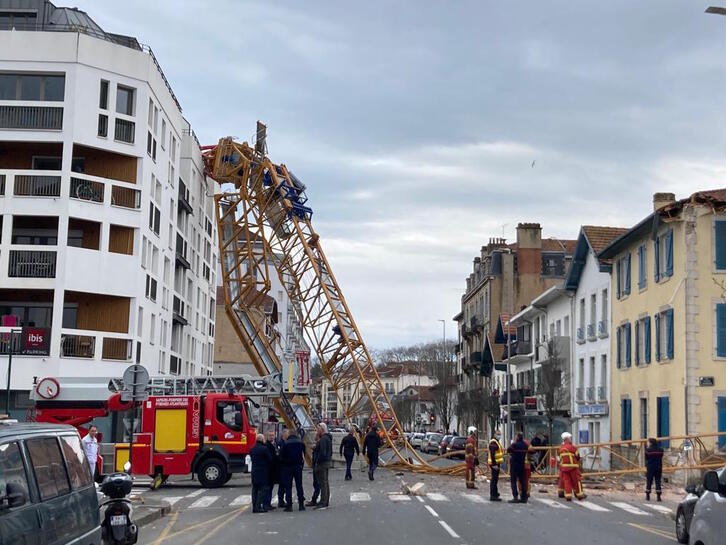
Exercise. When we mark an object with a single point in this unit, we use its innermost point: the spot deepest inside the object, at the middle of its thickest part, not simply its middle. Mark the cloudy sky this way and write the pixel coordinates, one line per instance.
(414, 124)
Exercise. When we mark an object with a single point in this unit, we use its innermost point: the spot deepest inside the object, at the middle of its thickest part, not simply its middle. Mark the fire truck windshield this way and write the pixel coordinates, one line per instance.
(230, 414)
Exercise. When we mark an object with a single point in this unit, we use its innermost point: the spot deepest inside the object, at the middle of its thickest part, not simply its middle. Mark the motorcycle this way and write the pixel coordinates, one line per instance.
(117, 526)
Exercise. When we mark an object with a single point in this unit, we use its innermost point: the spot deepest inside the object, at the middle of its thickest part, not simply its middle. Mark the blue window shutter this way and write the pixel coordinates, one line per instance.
(669, 253)
(641, 267)
(657, 337)
(628, 346)
(618, 277)
(720, 242)
(656, 259)
(721, 330)
(637, 342)
(618, 344)
(626, 290)
(663, 418)
(669, 330)
(646, 338)
(625, 420)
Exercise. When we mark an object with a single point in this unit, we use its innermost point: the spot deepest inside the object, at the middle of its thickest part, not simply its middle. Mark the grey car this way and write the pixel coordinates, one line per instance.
(708, 526)
(47, 494)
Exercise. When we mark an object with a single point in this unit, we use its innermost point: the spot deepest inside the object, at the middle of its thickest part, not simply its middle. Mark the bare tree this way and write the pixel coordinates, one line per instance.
(553, 387)
(405, 410)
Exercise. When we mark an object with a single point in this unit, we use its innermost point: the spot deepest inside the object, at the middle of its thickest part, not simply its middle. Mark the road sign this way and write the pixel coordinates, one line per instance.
(136, 384)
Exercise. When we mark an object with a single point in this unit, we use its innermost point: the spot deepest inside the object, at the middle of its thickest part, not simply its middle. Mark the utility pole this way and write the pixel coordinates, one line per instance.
(11, 349)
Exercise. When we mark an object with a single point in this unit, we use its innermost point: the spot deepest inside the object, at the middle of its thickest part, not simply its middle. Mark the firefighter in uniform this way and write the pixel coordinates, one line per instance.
(495, 457)
(472, 457)
(569, 480)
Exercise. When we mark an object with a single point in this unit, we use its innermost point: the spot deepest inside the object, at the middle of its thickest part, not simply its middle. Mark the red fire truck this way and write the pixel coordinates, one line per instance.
(198, 425)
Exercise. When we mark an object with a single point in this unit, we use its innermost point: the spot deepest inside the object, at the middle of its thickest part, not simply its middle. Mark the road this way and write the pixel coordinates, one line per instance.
(448, 513)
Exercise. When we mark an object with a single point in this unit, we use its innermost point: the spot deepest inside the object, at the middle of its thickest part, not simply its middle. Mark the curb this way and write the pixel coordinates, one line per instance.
(155, 513)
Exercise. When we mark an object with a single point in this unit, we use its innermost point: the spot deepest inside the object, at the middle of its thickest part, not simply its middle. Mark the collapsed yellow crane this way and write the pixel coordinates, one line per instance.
(263, 220)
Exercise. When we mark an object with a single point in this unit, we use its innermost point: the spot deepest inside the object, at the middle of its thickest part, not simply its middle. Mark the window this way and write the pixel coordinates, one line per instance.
(163, 134)
(150, 288)
(154, 219)
(721, 330)
(623, 276)
(553, 264)
(663, 262)
(140, 324)
(12, 469)
(641, 267)
(603, 377)
(22, 20)
(125, 100)
(720, 242)
(642, 341)
(664, 342)
(643, 417)
(626, 432)
(50, 471)
(78, 468)
(152, 334)
(622, 343)
(663, 419)
(102, 125)
(103, 95)
(49, 88)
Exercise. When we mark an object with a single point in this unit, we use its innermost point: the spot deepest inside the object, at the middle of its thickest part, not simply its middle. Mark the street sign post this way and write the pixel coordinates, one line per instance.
(136, 388)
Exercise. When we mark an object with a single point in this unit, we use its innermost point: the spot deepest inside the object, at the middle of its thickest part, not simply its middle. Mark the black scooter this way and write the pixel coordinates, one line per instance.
(117, 526)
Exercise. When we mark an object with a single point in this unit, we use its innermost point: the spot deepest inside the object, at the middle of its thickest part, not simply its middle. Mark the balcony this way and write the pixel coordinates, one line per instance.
(32, 264)
(602, 394)
(116, 349)
(522, 348)
(36, 185)
(181, 253)
(516, 395)
(78, 346)
(602, 329)
(590, 394)
(591, 335)
(125, 131)
(48, 118)
(580, 335)
(184, 198)
(125, 197)
(87, 190)
(179, 311)
(580, 394)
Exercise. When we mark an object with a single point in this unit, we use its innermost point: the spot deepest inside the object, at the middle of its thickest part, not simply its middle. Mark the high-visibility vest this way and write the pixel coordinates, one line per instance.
(568, 459)
(499, 455)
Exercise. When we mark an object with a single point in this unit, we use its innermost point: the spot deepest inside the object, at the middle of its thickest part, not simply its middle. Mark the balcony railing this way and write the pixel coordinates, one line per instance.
(125, 197)
(602, 328)
(178, 311)
(580, 335)
(602, 394)
(87, 190)
(590, 394)
(580, 394)
(181, 252)
(78, 346)
(591, 336)
(184, 199)
(31, 185)
(32, 264)
(116, 349)
(31, 117)
(125, 131)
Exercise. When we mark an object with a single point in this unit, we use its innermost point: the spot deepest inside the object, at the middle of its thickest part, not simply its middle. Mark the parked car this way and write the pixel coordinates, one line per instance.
(416, 439)
(684, 511)
(708, 525)
(458, 445)
(431, 442)
(46, 488)
(444, 443)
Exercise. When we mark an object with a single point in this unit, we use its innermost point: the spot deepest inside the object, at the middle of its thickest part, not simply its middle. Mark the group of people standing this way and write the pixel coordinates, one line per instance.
(280, 461)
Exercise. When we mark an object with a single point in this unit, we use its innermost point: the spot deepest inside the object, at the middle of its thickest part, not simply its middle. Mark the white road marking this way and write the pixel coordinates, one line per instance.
(244, 499)
(172, 500)
(592, 506)
(399, 497)
(360, 496)
(203, 502)
(449, 530)
(195, 493)
(431, 510)
(419, 498)
(435, 496)
(475, 498)
(659, 508)
(552, 503)
(627, 507)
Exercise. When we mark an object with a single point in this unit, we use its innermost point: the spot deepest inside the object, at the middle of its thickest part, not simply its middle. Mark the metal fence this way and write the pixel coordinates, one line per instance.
(125, 197)
(32, 264)
(32, 185)
(31, 117)
(116, 349)
(78, 346)
(86, 190)
(125, 131)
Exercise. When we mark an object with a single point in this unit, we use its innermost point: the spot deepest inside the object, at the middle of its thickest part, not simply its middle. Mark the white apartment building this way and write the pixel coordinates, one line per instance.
(589, 280)
(108, 235)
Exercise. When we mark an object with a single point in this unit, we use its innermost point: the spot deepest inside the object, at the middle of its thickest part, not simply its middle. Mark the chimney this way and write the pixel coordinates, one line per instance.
(529, 249)
(662, 199)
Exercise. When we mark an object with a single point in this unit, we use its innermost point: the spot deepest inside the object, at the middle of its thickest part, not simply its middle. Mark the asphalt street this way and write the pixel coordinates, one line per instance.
(377, 512)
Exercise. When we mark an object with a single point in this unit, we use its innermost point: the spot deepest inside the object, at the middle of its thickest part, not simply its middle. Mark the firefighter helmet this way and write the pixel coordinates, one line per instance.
(471, 429)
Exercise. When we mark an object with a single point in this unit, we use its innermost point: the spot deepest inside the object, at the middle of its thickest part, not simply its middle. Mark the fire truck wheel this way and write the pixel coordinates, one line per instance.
(212, 473)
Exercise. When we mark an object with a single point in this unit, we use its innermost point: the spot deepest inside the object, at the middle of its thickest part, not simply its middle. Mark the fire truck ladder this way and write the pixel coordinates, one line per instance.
(247, 385)
(268, 207)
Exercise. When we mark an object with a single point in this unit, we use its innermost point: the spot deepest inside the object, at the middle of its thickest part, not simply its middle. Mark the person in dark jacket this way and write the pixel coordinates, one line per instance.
(371, 444)
(278, 447)
(322, 464)
(316, 485)
(261, 462)
(292, 460)
(271, 444)
(517, 461)
(348, 447)
(653, 467)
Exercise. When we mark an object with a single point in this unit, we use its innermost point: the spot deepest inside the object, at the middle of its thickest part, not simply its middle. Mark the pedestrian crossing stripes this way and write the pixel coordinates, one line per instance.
(552, 503)
(399, 497)
(195, 493)
(592, 506)
(435, 496)
(360, 496)
(474, 498)
(244, 499)
(204, 501)
(659, 508)
(629, 508)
